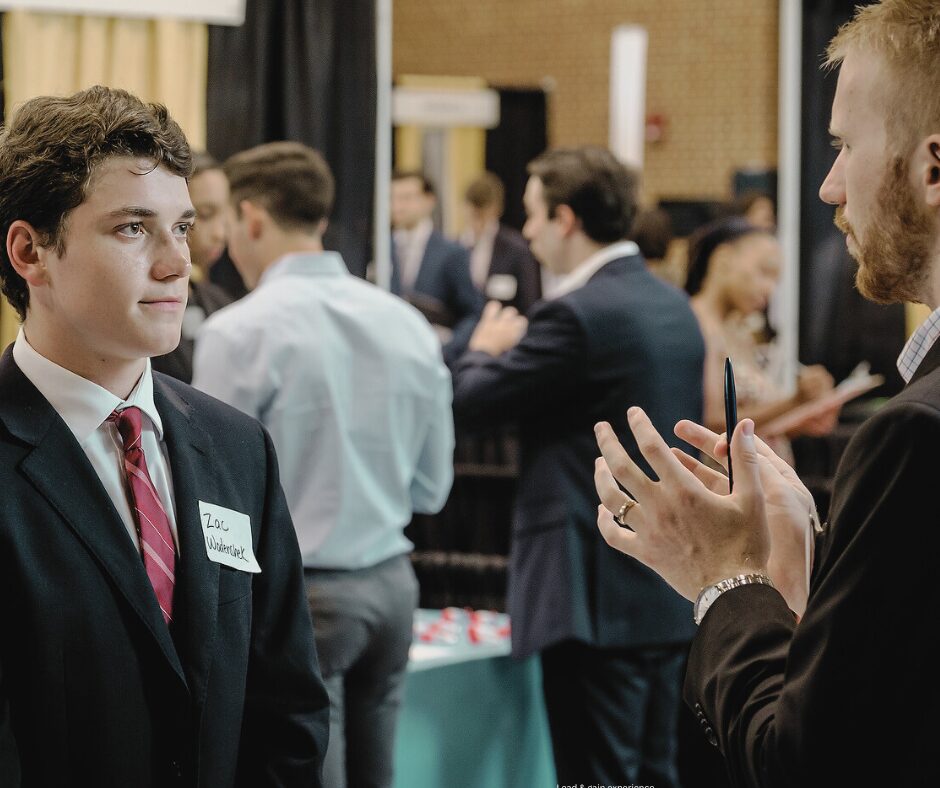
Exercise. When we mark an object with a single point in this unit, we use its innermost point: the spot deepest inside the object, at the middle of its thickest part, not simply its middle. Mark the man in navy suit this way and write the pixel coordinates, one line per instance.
(501, 264)
(427, 269)
(155, 626)
(611, 634)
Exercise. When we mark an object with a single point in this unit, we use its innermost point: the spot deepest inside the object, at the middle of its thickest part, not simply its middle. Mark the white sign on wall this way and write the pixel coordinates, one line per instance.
(445, 108)
(218, 12)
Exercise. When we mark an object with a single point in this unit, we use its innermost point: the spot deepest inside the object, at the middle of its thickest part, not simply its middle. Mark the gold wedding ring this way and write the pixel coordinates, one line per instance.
(622, 512)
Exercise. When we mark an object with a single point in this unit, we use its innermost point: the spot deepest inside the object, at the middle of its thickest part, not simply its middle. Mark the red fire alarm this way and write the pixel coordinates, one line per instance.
(656, 127)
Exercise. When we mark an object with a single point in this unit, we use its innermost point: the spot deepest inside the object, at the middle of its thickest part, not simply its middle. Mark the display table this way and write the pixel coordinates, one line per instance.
(472, 717)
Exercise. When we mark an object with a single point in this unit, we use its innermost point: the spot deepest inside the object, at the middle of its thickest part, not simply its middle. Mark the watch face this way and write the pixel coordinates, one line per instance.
(704, 602)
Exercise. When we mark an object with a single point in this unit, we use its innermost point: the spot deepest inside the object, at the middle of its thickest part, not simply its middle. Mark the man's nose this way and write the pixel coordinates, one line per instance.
(172, 258)
(832, 190)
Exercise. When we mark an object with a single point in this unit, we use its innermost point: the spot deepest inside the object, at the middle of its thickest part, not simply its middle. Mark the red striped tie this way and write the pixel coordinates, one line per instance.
(153, 527)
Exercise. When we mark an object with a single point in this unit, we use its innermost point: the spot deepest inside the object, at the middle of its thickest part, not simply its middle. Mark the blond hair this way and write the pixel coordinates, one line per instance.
(906, 34)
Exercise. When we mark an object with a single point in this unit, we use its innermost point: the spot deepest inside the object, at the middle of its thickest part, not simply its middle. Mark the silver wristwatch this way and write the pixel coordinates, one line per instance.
(709, 594)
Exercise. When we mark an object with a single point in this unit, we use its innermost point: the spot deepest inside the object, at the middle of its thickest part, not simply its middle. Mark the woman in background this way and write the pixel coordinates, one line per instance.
(734, 268)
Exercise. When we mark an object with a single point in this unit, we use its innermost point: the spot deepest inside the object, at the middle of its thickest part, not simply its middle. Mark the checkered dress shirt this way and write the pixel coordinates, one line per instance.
(918, 345)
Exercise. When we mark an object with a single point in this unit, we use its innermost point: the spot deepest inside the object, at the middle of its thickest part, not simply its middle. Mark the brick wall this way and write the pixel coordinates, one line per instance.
(712, 72)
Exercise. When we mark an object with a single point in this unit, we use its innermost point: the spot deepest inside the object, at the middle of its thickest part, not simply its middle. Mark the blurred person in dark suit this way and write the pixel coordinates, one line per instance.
(816, 661)
(611, 635)
(501, 265)
(427, 269)
(208, 189)
(207, 242)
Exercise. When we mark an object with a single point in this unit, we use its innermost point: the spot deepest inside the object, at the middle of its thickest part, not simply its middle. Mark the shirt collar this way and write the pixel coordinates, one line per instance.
(487, 235)
(304, 264)
(919, 345)
(420, 232)
(82, 404)
(586, 269)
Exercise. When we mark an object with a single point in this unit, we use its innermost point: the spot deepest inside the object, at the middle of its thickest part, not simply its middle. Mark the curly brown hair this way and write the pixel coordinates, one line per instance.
(50, 152)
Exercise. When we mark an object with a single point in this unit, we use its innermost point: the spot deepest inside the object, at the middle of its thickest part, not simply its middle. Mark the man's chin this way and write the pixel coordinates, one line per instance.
(161, 345)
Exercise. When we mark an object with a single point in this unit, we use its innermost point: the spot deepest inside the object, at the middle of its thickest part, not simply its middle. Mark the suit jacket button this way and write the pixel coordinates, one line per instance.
(710, 735)
(176, 771)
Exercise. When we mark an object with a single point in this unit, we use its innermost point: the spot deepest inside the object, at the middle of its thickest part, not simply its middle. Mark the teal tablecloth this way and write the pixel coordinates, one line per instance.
(475, 723)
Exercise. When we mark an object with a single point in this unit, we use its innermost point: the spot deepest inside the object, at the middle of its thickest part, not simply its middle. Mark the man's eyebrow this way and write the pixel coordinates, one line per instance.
(146, 213)
(133, 210)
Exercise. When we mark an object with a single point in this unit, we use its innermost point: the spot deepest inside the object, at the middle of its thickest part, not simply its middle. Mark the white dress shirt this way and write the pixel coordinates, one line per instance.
(919, 345)
(84, 407)
(350, 383)
(410, 246)
(586, 269)
(481, 253)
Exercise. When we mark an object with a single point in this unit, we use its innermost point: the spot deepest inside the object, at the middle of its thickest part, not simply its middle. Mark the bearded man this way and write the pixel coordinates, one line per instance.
(815, 662)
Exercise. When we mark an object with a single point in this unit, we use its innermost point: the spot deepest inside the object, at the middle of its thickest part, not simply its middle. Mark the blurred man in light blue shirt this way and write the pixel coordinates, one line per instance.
(350, 382)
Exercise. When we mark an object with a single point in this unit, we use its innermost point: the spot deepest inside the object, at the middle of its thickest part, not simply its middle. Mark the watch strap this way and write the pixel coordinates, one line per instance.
(707, 596)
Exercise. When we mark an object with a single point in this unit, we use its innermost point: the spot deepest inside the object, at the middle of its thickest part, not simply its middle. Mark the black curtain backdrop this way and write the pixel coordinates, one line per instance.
(304, 71)
(821, 20)
(838, 327)
(520, 136)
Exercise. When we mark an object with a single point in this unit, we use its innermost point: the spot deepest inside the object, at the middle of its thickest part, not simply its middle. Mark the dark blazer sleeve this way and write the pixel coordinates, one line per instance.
(464, 298)
(548, 362)
(850, 692)
(286, 722)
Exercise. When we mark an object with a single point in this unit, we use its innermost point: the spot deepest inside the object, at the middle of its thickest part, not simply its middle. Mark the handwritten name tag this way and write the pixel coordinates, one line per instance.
(228, 537)
(502, 287)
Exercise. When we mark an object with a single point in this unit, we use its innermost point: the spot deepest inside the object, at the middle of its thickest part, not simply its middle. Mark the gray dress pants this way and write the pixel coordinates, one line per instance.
(363, 623)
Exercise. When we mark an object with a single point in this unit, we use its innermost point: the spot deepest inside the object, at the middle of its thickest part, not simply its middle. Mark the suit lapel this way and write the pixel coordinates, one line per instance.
(395, 283)
(197, 578)
(500, 262)
(427, 272)
(60, 471)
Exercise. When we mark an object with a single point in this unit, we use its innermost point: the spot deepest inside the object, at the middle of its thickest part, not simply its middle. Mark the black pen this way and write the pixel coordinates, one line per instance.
(731, 415)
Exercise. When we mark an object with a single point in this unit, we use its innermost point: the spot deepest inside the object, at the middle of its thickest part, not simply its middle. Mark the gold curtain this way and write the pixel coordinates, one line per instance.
(57, 54)
(916, 314)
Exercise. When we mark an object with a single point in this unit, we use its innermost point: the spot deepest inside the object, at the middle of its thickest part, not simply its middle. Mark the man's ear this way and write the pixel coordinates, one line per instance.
(254, 217)
(927, 161)
(567, 220)
(26, 253)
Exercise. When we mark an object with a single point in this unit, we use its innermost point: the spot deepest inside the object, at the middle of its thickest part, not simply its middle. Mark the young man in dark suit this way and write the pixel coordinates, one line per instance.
(427, 269)
(610, 634)
(155, 629)
(823, 677)
(501, 265)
